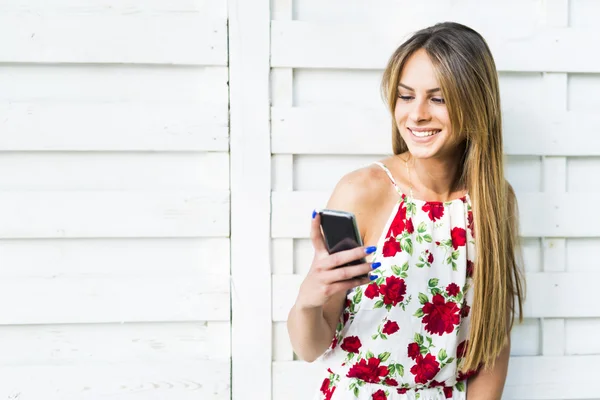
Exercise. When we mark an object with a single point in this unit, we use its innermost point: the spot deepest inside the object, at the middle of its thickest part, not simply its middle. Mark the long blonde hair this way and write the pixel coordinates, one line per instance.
(468, 78)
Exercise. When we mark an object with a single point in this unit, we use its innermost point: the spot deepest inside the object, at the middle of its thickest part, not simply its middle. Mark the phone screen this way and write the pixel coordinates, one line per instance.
(340, 233)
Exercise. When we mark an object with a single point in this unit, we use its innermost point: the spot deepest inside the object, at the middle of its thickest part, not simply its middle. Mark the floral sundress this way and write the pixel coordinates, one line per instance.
(401, 336)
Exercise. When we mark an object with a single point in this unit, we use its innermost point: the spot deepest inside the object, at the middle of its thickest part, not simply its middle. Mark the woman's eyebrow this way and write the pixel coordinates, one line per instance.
(412, 90)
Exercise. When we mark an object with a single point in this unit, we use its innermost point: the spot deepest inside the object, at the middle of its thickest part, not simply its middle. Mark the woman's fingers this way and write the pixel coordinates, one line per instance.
(316, 236)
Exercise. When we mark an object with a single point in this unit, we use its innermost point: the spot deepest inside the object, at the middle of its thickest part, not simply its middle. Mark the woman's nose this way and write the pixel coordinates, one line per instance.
(420, 111)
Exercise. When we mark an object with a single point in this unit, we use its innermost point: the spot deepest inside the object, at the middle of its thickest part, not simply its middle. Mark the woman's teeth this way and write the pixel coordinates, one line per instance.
(425, 133)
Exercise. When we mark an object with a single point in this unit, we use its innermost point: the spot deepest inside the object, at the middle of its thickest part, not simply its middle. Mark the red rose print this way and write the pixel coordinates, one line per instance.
(440, 317)
(334, 342)
(464, 311)
(435, 209)
(379, 395)
(346, 316)
(399, 223)
(390, 327)
(452, 289)
(459, 237)
(448, 392)
(325, 385)
(402, 390)
(430, 258)
(461, 350)
(470, 268)
(470, 223)
(391, 247)
(409, 226)
(393, 290)
(426, 368)
(368, 371)
(351, 344)
(372, 291)
(390, 382)
(414, 350)
(329, 393)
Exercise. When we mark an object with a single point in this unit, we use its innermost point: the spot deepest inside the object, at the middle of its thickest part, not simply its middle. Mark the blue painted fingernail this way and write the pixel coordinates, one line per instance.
(314, 214)
(370, 249)
(376, 265)
(372, 277)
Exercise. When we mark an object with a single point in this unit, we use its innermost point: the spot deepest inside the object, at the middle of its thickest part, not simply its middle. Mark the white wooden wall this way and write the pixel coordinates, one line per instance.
(114, 204)
(327, 119)
(151, 150)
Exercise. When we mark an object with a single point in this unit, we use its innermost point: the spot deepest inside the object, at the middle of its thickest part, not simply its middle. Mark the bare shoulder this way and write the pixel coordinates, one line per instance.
(361, 192)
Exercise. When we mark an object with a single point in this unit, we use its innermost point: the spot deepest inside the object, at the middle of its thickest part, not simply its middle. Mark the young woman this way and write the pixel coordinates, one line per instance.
(439, 222)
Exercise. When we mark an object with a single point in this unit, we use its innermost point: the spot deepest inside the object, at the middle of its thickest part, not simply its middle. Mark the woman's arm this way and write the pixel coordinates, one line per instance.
(488, 385)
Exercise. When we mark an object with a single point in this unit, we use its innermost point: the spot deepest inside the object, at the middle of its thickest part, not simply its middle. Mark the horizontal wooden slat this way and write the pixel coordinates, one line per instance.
(330, 130)
(531, 378)
(71, 214)
(111, 298)
(300, 44)
(115, 7)
(167, 38)
(114, 171)
(550, 215)
(549, 295)
(144, 87)
(77, 344)
(113, 127)
(187, 380)
(128, 257)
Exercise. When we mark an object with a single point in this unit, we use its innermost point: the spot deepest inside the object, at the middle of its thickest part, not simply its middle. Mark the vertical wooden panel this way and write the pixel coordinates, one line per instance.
(249, 24)
(282, 81)
(555, 181)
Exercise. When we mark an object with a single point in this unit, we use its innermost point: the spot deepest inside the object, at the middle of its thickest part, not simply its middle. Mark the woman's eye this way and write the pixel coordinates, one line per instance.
(404, 98)
(438, 100)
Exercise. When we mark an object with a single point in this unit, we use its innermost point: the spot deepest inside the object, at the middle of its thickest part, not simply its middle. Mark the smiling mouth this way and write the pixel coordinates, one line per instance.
(425, 133)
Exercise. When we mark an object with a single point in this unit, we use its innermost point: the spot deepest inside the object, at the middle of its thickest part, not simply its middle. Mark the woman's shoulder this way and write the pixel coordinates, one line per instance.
(361, 189)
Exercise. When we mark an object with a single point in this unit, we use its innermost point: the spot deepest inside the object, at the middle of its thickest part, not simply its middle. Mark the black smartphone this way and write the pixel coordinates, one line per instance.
(341, 232)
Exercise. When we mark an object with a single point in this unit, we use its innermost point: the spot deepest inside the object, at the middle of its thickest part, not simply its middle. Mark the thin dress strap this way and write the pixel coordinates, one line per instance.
(389, 174)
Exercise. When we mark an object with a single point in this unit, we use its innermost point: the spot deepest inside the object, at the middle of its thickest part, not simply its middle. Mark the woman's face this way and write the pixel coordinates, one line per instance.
(421, 113)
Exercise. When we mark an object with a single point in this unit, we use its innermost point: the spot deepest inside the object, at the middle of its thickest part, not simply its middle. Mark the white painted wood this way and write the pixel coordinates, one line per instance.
(250, 198)
(582, 12)
(126, 257)
(282, 256)
(164, 38)
(361, 130)
(539, 378)
(282, 9)
(282, 81)
(557, 13)
(363, 45)
(113, 343)
(63, 214)
(282, 348)
(540, 214)
(115, 298)
(579, 171)
(526, 338)
(553, 337)
(549, 295)
(581, 336)
(121, 126)
(283, 172)
(181, 380)
(114, 171)
(388, 12)
(213, 8)
(62, 85)
(579, 254)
